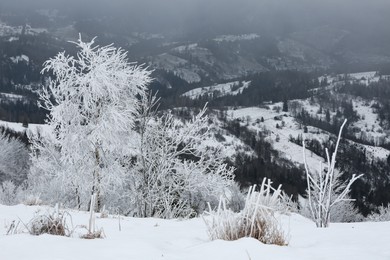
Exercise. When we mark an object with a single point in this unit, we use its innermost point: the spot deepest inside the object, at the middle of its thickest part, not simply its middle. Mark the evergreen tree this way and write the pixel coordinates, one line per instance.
(327, 116)
(285, 105)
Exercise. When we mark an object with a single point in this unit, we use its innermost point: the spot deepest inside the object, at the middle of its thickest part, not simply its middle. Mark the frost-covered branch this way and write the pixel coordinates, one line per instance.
(173, 175)
(321, 187)
(106, 139)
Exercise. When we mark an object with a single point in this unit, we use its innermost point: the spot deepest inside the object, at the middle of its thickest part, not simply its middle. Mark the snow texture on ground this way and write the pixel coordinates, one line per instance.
(187, 239)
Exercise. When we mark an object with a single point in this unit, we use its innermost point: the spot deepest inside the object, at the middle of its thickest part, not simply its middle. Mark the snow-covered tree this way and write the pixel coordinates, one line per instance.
(7, 193)
(324, 188)
(345, 211)
(14, 160)
(382, 214)
(104, 138)
(92, 101)
(174, 174)
(48, 179)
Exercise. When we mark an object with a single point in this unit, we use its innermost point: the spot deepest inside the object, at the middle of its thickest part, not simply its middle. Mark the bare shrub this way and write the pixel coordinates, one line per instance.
(93, 235)
(256, 220)
(55, 223)
(47, 224)
(324, 187)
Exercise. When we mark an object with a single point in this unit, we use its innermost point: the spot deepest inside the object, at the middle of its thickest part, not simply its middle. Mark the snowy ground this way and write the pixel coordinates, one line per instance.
(188, 239)
(361, 77)
(219, 90)
(234, 38)
(18, 127)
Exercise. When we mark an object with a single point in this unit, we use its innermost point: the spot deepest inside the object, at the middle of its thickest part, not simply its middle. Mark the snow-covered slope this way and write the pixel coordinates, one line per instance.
(220, 59)
(7, 30)
(187, 239)
(180, 67)
(233, 38)
(364, 78)
(366, 127)
(11, 97)
(220, 90)
(18, 127)
(280, 126)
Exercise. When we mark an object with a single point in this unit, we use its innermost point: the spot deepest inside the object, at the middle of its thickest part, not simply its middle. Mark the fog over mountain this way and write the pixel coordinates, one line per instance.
(370, 18)
(304, 34)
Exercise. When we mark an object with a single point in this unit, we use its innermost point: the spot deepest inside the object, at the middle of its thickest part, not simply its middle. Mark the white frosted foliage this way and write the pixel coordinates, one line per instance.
(322, 187)
(92, 103)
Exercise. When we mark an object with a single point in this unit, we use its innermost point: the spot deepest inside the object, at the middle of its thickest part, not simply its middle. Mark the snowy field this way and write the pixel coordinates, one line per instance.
(219, 90)
(11, 97)
(364, 78)
(18, 127)
(234, 38)
(188, 239)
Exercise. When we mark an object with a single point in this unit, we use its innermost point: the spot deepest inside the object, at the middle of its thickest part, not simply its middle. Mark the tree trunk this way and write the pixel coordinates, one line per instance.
(78, 199)
(97, 181)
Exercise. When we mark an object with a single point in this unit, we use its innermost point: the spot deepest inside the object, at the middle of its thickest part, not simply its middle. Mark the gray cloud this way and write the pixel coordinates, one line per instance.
(279, 16)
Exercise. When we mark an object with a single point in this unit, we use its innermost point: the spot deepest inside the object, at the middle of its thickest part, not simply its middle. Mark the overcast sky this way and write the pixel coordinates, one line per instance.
(225, 15)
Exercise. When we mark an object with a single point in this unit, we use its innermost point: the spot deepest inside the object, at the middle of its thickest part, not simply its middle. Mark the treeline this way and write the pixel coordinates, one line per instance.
(330, 123)
(37, 48)
(23, 111)
(169, 87)
(21, 74)
(272, 86)
(10, 133)
(379, 91)
(331, 114)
